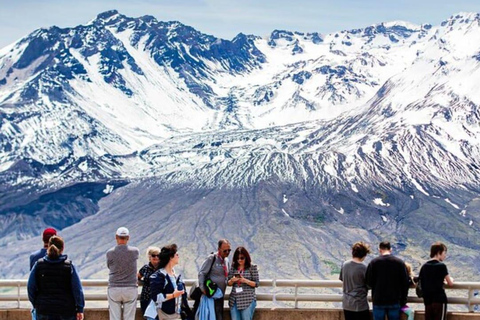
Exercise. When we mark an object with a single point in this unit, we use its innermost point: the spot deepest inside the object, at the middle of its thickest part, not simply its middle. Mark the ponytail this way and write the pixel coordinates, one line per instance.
(167, 253)
(55, 247)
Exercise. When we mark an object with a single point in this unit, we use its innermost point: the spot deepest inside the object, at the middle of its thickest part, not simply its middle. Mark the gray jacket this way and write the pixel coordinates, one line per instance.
(219, 268)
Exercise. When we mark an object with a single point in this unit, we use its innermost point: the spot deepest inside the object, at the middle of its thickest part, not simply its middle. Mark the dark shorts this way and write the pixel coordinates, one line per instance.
(357, 315)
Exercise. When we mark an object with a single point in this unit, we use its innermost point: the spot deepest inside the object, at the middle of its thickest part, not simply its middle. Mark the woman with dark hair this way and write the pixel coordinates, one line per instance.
(165, 286)
(54, 288)
(153, 254)
(243, 277)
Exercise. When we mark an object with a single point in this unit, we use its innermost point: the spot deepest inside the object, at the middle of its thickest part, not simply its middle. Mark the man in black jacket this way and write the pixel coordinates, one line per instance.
(388, 279)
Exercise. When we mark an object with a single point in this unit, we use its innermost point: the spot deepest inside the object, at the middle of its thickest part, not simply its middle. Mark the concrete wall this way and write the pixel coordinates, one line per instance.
(260, 314)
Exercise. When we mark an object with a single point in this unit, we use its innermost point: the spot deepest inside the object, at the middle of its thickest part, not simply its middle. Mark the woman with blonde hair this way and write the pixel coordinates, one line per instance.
(54, 288)
(153, 255)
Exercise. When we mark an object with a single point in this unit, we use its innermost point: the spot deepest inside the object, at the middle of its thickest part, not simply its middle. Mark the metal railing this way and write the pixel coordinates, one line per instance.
(15, 291)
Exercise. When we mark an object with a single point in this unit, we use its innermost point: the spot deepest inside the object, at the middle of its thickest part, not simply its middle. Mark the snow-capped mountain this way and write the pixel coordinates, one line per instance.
(370, 132)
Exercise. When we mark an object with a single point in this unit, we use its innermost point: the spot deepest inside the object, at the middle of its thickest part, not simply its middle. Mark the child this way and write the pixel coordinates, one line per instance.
(406, 309)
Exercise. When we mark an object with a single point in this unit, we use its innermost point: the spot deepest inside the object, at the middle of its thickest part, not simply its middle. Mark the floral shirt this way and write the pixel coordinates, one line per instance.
(146, 271)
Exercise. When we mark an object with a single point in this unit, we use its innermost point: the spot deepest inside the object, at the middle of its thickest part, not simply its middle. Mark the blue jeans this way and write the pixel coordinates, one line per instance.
(392, 311)
(245, 314)
(45, 317)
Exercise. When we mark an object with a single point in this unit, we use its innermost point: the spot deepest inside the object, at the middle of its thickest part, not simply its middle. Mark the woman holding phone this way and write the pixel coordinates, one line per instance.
(243, 277)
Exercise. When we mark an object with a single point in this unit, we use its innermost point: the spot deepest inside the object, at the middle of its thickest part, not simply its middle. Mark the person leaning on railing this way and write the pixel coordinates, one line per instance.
(153, 254)
(432, 276)
(352, 274)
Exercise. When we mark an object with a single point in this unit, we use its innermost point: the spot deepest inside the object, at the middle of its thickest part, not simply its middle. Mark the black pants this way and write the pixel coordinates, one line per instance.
(357, 315)
(144, 305)
(436, 311)
(218, 309)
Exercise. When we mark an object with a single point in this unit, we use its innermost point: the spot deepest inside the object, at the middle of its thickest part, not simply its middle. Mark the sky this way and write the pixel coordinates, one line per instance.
(227, 18)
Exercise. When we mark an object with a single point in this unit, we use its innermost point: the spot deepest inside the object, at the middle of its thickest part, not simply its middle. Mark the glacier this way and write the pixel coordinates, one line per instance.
(183, 137)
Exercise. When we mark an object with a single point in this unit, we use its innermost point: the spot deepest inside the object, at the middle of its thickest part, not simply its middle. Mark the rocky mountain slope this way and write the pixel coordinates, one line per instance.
(295, 145)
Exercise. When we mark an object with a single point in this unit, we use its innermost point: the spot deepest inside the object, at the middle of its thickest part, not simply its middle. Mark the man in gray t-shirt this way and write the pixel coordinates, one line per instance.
(352, 274)
(122, 277)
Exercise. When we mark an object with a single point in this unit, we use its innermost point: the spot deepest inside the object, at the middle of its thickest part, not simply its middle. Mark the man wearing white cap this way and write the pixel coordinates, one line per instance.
(122, 277)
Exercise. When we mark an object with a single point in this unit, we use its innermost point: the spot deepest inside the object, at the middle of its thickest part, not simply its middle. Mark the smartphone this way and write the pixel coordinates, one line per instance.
(237, 275)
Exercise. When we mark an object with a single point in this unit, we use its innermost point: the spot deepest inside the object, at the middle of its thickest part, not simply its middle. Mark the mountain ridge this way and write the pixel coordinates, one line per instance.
(370, 131)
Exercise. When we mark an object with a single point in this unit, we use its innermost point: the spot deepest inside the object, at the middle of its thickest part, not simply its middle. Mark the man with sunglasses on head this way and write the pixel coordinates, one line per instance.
(219, 273)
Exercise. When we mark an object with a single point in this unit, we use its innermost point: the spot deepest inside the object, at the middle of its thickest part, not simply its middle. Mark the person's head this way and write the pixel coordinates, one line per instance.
(408, 266)
(224, 248)
(241, 258)
(360, 250)
(55, 247)
(384, 247)
(153, 255)
(47, 234)
(438, 251)
(122, 235)
(168, 254)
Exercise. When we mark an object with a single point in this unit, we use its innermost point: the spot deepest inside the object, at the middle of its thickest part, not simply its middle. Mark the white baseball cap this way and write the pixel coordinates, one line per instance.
(122, 232)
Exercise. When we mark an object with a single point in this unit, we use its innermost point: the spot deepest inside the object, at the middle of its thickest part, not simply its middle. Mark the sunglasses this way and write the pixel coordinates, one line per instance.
(241, 258)
(227, 251)
(155, 255)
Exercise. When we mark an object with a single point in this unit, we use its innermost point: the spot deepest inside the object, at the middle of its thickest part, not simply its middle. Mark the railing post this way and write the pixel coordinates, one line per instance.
(18, 295)
(470, 296)
(296, 296)
(274, 285)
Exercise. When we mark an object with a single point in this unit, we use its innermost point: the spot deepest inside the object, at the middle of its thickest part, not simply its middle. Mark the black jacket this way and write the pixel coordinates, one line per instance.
(54, 288)
(160, 282)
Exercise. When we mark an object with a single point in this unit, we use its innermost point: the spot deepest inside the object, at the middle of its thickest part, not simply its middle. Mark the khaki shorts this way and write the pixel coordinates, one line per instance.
(165, 316)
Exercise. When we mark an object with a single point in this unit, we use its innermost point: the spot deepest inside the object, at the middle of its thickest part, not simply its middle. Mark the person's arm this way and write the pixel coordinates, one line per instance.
(157, 282)
(157, 288)
(230, 276)
(77, 291)
(449, 280)
(369, 276)
(340, 276)
(204, 271)
(108, 259)
(32, 262)
(32, 286)
(405, 283)
(254, 281)
(141, 273)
